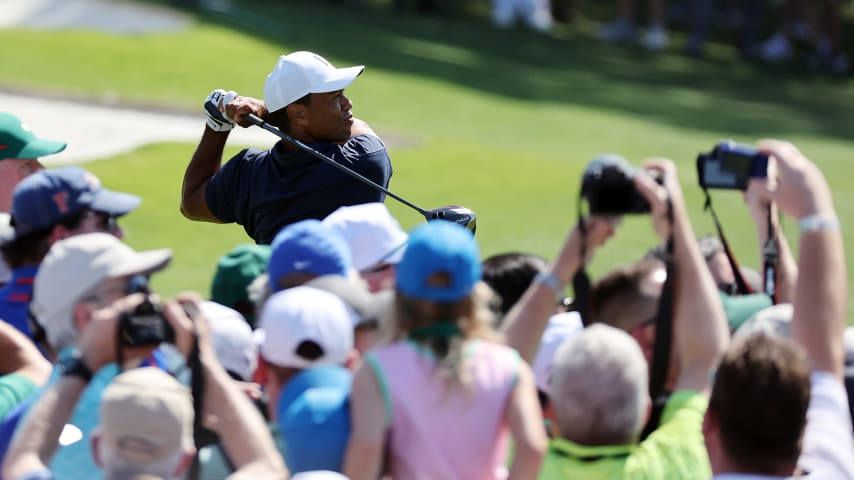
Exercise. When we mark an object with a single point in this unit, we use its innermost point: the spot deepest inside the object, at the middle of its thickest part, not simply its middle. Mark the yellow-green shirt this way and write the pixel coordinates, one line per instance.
(673, 451)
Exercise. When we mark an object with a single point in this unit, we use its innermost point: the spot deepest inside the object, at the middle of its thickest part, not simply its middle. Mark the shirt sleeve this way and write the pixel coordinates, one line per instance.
(227, 193)
(828, 450)
(14, 389)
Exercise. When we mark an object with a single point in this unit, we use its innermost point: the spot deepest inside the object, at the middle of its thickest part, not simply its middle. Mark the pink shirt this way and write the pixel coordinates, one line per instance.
(439, 432)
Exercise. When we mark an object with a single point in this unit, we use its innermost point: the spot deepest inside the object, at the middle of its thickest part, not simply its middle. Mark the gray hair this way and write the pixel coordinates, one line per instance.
(599, 387)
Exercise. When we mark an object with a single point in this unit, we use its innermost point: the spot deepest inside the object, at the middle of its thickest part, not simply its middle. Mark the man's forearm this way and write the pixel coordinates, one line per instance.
(205, 162)
(245, 437)
(525, 323)
(820, 299)
(36, 440)
(700, 328)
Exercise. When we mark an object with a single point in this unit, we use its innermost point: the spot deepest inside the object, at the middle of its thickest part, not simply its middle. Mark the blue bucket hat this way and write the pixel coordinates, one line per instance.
(314, 419)
(47, 197)
(439, 247)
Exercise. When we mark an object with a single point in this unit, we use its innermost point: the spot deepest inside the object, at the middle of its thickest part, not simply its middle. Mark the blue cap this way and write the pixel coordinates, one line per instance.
(307, 246)
(436, 247)
(47, 197)
(314, 419)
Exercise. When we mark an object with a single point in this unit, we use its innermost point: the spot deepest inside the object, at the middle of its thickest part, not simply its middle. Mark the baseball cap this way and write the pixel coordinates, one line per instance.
(306, 327)
(314, 418)
(307, 246)
(439, 247)
(17, 140)
(300, 73)
(560, 327)
(146, 416)
(46, 197)
(73, 267)
(772, 320)
(233, 342)
(235, 271)
(370, 231)
(739, 308)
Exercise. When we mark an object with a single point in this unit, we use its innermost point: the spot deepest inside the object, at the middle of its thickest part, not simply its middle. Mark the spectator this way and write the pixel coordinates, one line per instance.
(235, 271)
(599, 374)
(303, 328)
(375, 240)
(510, 274)
(48, 206)
(428, 393)
(623, 28)
(266, 190)
(19, 152)
(80, 276)
(807, 428)
(146, 417)
(535, 14)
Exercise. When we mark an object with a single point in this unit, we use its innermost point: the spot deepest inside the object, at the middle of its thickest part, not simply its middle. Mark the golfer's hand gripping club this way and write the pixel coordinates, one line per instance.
(217, 119)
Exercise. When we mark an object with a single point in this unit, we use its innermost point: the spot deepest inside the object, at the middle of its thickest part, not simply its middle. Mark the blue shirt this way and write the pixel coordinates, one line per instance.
(15, 299)
(74, 461)
(266, 190)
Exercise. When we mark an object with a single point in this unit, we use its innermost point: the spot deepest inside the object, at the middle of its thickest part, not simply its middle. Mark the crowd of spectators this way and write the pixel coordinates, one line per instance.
(348, 348)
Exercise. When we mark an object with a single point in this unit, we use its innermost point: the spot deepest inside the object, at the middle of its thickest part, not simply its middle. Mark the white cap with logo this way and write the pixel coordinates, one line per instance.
(300, 73)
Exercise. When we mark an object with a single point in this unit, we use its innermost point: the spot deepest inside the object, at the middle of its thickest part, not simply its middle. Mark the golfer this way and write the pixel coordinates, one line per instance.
(266, 190)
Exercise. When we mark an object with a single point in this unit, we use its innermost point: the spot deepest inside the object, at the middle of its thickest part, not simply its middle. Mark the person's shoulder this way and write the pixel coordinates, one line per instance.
(365, 143)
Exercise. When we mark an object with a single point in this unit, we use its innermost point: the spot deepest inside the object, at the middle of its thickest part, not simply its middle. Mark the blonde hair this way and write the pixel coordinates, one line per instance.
(470, 314)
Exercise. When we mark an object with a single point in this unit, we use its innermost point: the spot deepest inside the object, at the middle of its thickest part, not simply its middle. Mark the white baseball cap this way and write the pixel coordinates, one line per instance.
(73, 267)
(294, 318)
(561, 326)
(372, 234)
(233, 341)
(300, 73)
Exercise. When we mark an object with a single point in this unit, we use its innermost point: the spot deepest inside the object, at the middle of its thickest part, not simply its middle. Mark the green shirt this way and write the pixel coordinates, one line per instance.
(675, 450)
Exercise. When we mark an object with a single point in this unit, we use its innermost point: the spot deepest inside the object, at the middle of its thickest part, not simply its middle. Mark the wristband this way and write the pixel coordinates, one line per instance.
(818, 223)
(550, 280)
(74, 366)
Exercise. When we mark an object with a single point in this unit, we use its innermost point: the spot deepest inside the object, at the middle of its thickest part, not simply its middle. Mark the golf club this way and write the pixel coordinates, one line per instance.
(452, 213)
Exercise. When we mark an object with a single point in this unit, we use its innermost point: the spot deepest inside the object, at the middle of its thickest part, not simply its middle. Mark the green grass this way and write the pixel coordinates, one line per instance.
(499, 121)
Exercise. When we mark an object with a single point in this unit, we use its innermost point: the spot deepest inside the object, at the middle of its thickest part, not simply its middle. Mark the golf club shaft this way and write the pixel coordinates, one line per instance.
(257, 121)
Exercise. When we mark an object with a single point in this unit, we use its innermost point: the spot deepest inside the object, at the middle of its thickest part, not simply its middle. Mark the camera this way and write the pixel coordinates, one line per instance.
(145, 325)
(731, 166)
(609, 188)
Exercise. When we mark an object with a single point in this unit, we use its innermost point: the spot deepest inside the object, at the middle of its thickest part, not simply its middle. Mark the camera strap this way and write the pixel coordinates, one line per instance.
(581, 288)
(743, 287)
(770, 256)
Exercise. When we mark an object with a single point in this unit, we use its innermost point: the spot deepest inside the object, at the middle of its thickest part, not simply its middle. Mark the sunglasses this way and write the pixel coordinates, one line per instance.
(106, 221)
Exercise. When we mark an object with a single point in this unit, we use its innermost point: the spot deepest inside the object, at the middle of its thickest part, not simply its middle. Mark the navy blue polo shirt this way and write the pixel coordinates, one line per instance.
(15, 299)
(266, 190)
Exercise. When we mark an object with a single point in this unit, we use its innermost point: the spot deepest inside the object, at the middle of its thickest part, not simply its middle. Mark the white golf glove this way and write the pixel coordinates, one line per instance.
(217, 118)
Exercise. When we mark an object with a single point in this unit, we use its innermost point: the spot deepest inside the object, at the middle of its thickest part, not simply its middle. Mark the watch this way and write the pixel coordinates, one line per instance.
(74, 366)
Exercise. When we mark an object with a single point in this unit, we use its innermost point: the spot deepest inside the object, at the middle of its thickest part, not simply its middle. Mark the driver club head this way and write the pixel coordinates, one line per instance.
(454, 213)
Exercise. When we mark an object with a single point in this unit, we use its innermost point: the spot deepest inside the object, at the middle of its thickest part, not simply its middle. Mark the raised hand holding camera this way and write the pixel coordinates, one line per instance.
(801, 189)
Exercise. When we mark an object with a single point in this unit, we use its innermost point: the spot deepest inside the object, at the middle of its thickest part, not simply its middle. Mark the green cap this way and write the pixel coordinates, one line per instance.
(234, 272)
(738, 308)
(17, 140)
